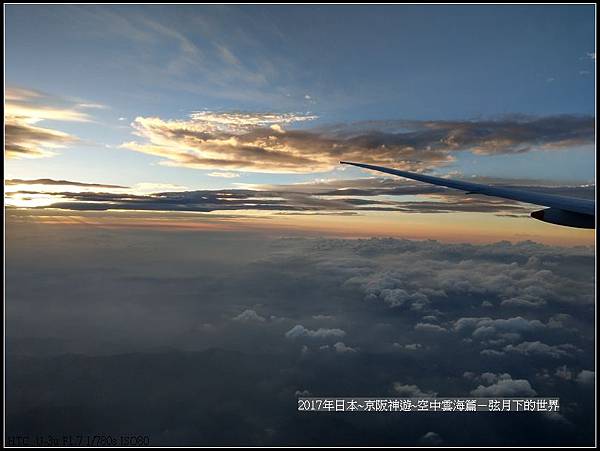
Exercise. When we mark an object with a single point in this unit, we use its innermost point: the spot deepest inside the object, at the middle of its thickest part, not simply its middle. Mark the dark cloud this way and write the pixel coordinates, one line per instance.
(23, 110)
(237, 141)
(22, 140)
(349, 196)
(182, 336)
(50, 182)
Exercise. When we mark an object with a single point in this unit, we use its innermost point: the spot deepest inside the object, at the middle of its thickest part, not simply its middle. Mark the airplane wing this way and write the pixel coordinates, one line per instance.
(568, 211)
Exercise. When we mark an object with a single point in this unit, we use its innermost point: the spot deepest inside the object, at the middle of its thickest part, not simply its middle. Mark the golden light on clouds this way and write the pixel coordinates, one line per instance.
(351, 208)
(45, 192)
(269, 142)
(33, 200)
(229, 141)
(233, 142)
(23, 139)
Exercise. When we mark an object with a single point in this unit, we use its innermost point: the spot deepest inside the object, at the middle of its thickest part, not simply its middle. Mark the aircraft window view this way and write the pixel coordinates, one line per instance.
(308, 225)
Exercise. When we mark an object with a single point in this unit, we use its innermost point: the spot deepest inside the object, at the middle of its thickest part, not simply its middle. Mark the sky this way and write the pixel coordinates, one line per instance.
(185, 256)
(160, 99)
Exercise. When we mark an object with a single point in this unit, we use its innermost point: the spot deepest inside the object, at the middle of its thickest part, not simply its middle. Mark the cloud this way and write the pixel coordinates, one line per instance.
(537, 348)
(303, 393)
(431, 439)
(50, 182)
(204, 55)
(343, 349)
(564, 373)
(322, 197)
(299, 331)
(258, 142)
(428, 283)
(240, 141)
(586, 377)
(23, 109)
(249, 315)
(411, 391)
(533, 302)
(408, 347)
(324, 317)
(227, 175)
(94, 106)
(511, 329)
(427, 327)
(503, 385)
(27, 141)
(383, 288)
(284, 201)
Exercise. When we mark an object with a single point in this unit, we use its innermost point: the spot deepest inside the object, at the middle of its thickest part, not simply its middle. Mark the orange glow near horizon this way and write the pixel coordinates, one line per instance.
(447, 227)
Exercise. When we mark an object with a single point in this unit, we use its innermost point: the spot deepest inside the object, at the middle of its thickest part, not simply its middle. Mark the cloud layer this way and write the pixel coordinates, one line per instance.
(183, 332)
(322, 197)
(263, 142)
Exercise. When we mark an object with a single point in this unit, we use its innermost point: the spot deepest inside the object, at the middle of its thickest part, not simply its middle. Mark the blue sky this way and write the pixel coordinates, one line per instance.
(357, 62)
(337, 64)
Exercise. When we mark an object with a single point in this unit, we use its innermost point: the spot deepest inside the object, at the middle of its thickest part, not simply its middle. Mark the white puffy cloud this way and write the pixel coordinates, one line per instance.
(343, 348)
(299, 331)
(383, 287)
(537, 348)
(497, 330)
(502, 385)
(249, 315)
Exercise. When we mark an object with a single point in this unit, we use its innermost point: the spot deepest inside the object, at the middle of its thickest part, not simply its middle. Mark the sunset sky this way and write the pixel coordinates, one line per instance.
(239, 115)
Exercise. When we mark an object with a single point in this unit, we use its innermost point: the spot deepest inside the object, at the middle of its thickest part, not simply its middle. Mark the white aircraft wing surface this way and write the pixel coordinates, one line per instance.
(569, 211)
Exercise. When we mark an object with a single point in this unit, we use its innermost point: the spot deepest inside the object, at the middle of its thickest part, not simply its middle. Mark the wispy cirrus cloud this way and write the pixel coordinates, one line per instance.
(265, 142)
(192, 53)
(24, 108)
